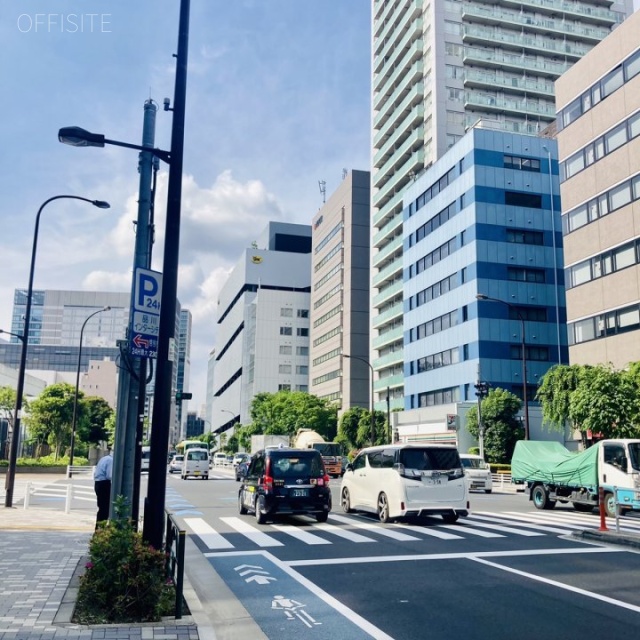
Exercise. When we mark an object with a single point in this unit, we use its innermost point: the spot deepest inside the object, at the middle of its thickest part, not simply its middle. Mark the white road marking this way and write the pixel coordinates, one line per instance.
(497, 527)
(343, 533)
(256, 536)
(209, 536)
(300, 534)
(431, 531)
(471, 531)
(504, 519)
(382, 531)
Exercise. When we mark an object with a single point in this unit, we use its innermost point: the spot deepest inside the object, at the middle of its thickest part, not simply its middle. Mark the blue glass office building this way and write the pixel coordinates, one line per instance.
(482, 220)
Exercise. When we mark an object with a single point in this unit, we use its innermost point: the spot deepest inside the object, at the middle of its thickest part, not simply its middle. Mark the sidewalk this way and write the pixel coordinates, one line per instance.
(41, 554)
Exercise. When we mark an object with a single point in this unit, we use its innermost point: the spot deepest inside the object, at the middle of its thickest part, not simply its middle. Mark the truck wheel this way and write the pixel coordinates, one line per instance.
(540, 497)
(450, 518)
(610, 504)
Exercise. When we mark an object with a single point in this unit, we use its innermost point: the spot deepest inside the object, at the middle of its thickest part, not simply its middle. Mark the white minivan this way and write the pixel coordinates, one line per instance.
(195, 464)
(403, 481)
(477, 472)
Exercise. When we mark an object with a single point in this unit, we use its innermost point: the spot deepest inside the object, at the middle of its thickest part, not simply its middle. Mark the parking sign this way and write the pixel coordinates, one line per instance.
(145, 324)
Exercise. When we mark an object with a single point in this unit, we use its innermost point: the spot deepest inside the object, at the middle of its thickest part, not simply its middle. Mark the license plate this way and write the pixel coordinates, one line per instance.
(299, 493)
(196, 473)
(432, 481)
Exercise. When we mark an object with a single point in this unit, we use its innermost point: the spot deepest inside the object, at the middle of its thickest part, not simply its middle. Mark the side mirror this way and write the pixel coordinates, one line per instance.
(349, 467)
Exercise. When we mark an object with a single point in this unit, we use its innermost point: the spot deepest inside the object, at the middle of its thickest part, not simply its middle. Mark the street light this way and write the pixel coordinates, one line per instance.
(13, 452)
(482, 296)
(75, 397)
(373, 430)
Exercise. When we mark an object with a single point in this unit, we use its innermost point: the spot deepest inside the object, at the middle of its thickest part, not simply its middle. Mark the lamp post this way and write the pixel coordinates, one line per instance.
(75, 397)
(482, 296)
(373, 429)
(555, 257)
(13, 451)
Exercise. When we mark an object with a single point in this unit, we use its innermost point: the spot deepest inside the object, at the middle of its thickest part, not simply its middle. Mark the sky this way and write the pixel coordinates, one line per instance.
(278, 99)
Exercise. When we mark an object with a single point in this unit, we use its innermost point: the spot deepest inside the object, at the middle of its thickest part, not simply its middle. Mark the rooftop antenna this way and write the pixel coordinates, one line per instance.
(344, 173)
(323, 190)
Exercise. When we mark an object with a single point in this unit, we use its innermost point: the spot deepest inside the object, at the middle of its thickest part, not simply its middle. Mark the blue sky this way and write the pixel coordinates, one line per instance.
(278, 98)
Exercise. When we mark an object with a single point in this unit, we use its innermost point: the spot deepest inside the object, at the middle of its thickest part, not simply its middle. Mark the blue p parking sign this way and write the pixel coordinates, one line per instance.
(145, 327)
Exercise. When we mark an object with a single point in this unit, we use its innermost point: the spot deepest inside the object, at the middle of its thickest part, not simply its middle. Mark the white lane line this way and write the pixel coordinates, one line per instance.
(253, 534)
(559, 585)
(506, 520)
(382, 531)
(300, 534)
(594, 521)
(211, 538)
(448, 556)
(431, 531)
(551, 520)
(471, 531)
(342, 533)
(497, 527)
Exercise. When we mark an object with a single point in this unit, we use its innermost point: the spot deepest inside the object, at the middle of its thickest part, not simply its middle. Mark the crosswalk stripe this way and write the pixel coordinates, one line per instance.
(505, 519)
(300, 534)
(472, 531)
(343, 533)
(498, 527)
(382, 531)
(209, 536)
(431, 531)
(546, 519)
(256, 536)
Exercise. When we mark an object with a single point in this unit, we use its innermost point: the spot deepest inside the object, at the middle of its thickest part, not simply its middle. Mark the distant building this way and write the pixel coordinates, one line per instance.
(262, 339)
(183, 368)
(598, 103)
(340, 295)
(194, 426)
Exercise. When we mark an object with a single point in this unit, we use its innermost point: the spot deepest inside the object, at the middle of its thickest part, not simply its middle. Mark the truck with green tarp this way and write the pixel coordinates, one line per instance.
(554, 474)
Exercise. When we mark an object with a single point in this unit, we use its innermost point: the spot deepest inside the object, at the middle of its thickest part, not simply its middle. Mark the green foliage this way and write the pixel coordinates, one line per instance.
(91, 422)
(125, 579)
(284, 412)
(554, 393)
(51, 415)
(501, 428)
(348, 427)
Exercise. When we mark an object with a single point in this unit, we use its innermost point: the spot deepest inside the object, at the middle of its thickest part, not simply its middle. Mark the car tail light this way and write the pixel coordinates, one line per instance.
(267, 481)
(326, 479)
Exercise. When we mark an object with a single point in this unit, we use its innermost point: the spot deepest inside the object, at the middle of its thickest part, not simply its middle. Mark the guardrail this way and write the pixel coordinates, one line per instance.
(78, 469)
(174, 552)
(68, 492)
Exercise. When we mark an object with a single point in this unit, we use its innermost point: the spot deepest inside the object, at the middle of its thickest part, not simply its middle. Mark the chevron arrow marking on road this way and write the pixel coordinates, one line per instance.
(244, 573)
(261, 579)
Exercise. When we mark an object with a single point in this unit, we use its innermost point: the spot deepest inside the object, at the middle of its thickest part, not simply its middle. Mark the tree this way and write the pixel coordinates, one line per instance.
(7, 410)
(348, 427)
(606, 403)
(554, 393)
(285, 412)
(501, 427)
(51, 415)
(93, 413)
(380, 435)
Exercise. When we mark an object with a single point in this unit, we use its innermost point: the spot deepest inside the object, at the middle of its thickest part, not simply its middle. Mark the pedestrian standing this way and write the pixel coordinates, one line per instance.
(102, 485)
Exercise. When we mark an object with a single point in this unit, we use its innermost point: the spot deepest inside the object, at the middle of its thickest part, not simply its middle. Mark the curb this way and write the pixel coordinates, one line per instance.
(608, 537)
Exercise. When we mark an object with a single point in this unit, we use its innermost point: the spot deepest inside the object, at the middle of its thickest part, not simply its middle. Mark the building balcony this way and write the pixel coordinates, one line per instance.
(394, 313)
(400, 178)
(410, 32)
(412, 122)
(388, 381)
(391, 112)
(516, 63)
(389, 229)
(491, 104)
(390, 272)
(413, 141)
(392, 72)
(390, 292)
(384, 254)
(389, 210)
(387, 338)
(385, 14)
(475, 78)
(534, 45)
(533, 23)
(396, 357)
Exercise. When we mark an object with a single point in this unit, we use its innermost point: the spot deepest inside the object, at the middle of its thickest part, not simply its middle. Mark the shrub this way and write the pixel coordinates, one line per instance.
(125, 578)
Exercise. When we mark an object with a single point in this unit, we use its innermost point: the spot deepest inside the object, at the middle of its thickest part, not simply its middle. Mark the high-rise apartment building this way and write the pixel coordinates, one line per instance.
(183, 341)
(598, 104)
(340, 286)
(438, 68)
(262, 338)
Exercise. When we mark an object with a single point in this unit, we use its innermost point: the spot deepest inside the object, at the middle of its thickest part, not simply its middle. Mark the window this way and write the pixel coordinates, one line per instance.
(612, 81)
(286, 312)
(624, 257)
(302, 332)
(284, 368)
(523, 236)
(615, 138)
(303, 313)
(286, 331)
(519, 199)
(529, 314)
(284, 387)
(302, 387)
(522, 274)
(302, 351)
(285, 350)
(302, 370)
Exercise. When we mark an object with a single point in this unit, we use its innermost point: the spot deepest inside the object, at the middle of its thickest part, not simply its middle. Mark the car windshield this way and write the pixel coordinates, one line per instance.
(429, 459)
(473, 463)
(197, 455)
(290, 466)
(634, 455)
(178, 459)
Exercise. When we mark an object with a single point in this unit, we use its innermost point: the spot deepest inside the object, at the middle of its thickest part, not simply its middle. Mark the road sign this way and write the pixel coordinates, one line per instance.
(452, 421)
(145, 323)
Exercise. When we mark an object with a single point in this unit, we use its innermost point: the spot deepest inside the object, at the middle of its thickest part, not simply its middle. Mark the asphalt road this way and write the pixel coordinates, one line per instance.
(508, 571)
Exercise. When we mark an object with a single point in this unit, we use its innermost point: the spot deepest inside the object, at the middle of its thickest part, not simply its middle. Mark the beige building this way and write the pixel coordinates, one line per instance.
(340, 295)
(598, 104)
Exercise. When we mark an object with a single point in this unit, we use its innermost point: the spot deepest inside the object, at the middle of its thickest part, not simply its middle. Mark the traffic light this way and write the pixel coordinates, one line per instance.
(482, 389)
(183, 395)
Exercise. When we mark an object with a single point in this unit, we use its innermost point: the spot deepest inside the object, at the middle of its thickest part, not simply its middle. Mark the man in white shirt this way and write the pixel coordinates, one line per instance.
(102, 485)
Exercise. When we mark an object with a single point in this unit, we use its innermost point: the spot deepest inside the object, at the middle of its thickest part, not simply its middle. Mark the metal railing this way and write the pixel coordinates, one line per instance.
(66, 492)
(174, 552)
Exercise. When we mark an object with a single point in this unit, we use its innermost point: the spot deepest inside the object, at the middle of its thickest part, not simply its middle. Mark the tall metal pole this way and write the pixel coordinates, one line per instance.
(15, 434)
(373, 418)
(75, 397)
(154, 504)
(389, 417)
(524, 378)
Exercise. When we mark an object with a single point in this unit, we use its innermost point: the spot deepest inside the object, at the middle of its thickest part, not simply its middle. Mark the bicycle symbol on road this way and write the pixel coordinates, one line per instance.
(293, 609)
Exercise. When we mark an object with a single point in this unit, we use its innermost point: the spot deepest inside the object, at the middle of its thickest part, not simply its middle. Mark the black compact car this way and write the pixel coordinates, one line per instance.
(241, 470)
(282, 481)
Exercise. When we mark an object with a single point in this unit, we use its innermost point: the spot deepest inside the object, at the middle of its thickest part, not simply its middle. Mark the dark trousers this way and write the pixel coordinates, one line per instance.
(103, 495)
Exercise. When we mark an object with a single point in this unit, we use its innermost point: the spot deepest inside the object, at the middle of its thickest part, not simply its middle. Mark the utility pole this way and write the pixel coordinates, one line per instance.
(133, 370)
(482, 390)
